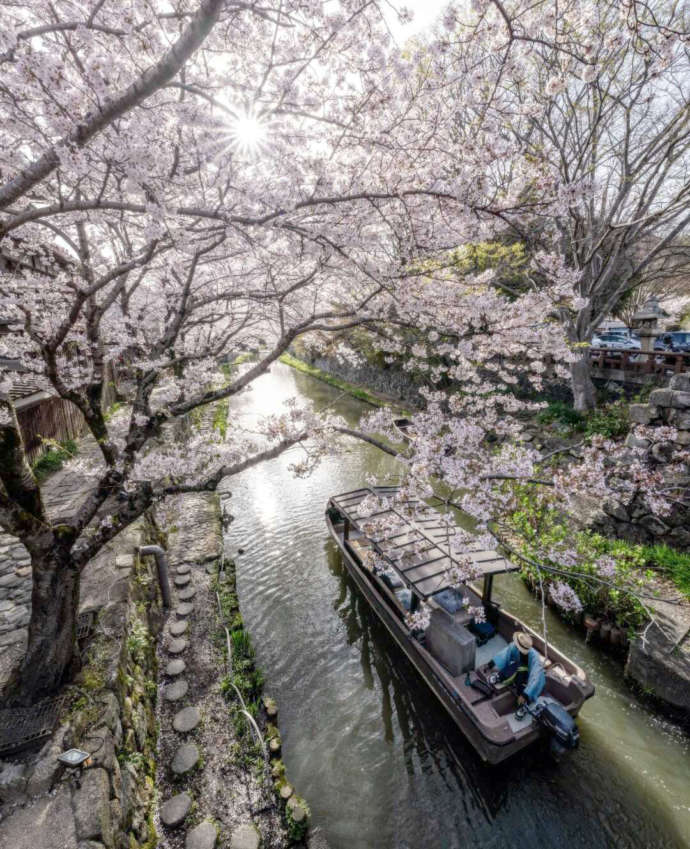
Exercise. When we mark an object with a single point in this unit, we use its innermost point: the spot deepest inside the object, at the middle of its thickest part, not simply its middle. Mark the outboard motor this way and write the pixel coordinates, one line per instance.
(561, 725)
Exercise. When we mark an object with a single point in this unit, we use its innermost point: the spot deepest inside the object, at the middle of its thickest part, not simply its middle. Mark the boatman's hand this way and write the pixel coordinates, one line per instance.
(522, 700)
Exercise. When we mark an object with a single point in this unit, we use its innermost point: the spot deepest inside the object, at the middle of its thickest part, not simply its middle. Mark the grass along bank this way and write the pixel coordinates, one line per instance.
(376, 399)
(242, 689)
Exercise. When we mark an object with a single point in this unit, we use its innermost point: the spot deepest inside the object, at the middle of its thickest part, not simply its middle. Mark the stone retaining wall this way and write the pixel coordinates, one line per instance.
(390, 381)
(632, 519)
(110, 712)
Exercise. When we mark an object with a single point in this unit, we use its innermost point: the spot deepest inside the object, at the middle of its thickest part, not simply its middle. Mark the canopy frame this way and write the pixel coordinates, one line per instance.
(409, 534)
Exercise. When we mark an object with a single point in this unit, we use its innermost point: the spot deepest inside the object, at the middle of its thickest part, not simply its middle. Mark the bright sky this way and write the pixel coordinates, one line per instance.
(425, 13)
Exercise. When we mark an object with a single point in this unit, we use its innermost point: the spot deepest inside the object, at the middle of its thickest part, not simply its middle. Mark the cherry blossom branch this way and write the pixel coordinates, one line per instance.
(137, 92)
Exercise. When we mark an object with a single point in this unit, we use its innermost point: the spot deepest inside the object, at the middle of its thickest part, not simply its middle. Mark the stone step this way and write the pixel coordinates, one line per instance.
(177, 646)
(186, 720)
(175, 691)
(175, 667)
(182, 580)
(174, 811)
(184, 569)
(186, 758)
(178, 628)
(186, 594)
(245, 837)
(184, 609)
(204, 836)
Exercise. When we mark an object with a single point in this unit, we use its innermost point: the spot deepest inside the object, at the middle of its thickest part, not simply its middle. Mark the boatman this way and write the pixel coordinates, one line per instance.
(519, 664)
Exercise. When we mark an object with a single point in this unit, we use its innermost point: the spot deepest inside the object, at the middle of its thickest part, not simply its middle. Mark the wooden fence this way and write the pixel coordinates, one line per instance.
(58, 419)
(638, 364)
(54, 418)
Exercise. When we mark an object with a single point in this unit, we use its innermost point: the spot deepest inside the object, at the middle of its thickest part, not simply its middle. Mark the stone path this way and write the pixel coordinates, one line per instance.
(196, 741)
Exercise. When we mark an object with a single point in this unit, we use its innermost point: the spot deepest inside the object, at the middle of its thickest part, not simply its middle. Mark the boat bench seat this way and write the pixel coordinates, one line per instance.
(451, 643)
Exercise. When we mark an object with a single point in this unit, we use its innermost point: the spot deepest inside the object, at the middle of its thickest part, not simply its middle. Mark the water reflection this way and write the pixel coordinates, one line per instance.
(378, 759)
(529, 800)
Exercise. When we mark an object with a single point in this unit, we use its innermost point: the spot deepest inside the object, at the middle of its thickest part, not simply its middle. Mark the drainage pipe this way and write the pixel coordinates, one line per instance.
(162, 564)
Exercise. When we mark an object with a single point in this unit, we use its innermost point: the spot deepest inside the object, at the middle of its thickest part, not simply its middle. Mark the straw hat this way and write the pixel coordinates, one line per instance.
(522, 641)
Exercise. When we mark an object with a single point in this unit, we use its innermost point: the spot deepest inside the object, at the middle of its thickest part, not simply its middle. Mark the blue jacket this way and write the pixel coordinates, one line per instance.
(509, 659)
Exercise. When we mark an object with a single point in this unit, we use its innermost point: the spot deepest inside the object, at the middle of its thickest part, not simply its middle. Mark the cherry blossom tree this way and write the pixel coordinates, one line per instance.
(610, 127)
(195, 183)
(216, 175)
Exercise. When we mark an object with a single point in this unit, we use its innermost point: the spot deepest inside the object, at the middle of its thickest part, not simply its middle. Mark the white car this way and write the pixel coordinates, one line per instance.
(616, 341)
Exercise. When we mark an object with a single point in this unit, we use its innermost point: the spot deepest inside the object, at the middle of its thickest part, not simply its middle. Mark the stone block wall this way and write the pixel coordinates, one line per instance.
(632, 519)
(391, 381)
(110, 713)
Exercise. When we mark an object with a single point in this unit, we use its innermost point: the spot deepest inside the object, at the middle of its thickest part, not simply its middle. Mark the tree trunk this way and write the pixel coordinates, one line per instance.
(584, 394)
(52, 629)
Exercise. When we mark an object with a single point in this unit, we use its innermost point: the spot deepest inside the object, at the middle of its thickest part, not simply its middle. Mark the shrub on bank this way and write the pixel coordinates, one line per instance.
(54, 458)
(606, 574)
(610, 420)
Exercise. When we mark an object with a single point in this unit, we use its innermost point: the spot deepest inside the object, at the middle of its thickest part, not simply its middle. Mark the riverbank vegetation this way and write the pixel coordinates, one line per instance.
(610, 419)
(359, 392)
(54, 458)
(613, 580)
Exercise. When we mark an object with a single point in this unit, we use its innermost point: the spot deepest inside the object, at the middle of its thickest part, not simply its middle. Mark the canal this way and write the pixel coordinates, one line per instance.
(364, 741)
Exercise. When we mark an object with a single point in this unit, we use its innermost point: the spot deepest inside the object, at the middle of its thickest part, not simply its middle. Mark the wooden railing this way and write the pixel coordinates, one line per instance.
(640, 363)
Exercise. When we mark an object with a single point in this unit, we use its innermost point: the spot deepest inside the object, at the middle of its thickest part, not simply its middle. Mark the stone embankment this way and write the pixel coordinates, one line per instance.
(632, 518)
(659, 660)
(389, 382)
(62, 494)
(108, 712)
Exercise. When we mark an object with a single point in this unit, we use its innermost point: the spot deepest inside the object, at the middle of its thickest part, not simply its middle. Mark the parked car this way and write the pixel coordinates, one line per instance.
(616, 341)
(677, 341)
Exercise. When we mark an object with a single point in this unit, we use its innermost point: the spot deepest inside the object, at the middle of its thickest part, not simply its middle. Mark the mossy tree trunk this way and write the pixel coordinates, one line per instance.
(50, 654)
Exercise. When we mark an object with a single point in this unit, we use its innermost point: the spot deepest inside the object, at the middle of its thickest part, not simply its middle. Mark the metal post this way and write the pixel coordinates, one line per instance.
(488, 587)
(162, 567)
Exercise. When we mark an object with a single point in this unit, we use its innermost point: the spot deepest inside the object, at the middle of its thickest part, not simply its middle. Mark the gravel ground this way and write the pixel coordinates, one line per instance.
(223, 790)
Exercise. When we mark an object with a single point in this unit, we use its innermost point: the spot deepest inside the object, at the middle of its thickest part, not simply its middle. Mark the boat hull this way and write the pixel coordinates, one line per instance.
(489, 751)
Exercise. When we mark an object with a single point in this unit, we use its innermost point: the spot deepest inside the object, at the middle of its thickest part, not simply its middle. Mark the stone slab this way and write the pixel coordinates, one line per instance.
(46, 824)
(680, 382)
(186, 758)
(177, 646)
(296, 809)
(680, 400)
(184, 609)
(179, 627)
(175, 691)
(186, 594)
(91, 804)
(184, 569)
(182, 580)
(175, 667)
(204, 836)
(245, 837)
(186, 720)
(13, 780)
(174, 811)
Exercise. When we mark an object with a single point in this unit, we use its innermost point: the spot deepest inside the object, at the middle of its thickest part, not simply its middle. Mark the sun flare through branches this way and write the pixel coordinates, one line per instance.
(248, 131)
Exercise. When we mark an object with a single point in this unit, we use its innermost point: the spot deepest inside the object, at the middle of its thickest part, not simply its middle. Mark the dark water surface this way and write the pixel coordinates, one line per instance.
(366, 743)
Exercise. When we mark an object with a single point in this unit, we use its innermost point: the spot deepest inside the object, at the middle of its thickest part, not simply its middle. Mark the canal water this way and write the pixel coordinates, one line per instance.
(365, 742)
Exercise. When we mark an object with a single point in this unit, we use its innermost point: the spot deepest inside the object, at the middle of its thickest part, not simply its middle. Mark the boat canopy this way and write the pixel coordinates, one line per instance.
(413, 538)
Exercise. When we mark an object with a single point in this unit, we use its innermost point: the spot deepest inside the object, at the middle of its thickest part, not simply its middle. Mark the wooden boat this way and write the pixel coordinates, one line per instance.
(396, 569)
